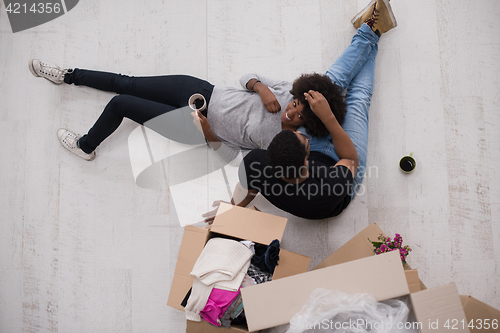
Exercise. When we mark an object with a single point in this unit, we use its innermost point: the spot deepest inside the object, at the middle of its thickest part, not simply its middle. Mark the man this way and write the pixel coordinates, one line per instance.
(304, 183)
(318, 178)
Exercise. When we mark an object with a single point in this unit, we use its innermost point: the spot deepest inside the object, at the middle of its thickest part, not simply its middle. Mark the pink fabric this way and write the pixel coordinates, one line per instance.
(218, 302)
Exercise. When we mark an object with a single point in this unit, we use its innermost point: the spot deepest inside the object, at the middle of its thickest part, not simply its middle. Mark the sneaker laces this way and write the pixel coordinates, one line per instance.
(51, 70)
(71, 140)
(373, 19)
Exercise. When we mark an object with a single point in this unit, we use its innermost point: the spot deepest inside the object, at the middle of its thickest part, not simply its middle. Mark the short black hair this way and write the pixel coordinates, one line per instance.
(332, 93)
(286, 154)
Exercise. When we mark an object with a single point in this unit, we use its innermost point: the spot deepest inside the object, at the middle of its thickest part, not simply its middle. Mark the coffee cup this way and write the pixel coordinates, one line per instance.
(197, 102)
(407, 164)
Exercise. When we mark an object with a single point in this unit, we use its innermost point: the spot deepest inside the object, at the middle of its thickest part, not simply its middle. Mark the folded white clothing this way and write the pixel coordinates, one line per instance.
(234, 284)
(200, 293)
(197, 300)
(221, 260)
(222, 264)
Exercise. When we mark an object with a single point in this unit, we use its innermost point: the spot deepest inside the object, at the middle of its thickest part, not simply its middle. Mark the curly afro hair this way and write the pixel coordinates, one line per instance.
(286, 154)
(332, 93)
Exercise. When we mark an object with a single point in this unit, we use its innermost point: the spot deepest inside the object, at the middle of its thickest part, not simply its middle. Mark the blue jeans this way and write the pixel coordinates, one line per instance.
(354, 70)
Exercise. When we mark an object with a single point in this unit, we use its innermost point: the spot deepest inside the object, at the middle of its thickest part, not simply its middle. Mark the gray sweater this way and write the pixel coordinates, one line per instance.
(238, 116)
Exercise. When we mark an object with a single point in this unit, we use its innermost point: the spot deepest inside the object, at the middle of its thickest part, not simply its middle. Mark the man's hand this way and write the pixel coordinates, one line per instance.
(319, 105)
(241, 197)
(210, 216)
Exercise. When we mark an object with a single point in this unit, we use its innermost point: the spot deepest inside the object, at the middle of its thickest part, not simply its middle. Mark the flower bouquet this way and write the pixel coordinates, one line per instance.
(386, 244)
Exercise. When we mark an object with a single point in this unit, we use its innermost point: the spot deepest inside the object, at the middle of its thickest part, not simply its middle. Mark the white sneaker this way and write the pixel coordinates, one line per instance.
(52, 73)
(69, 141)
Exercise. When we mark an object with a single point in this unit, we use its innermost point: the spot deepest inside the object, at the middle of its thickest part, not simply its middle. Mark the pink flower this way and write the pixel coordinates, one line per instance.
(392, 245)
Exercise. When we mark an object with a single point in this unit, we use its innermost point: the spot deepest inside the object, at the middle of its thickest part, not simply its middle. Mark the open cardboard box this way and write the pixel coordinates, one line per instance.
(360, 247)
(383, 276)
(480, 313)
(351, 269)
(234, 223)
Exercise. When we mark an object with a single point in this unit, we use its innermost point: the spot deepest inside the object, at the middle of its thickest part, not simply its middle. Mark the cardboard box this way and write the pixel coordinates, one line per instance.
(291, 285)
(439, 309)
(276, 302)
(360, 247)
(352, 269)
(485, 318)
(382, 276)
(235, 223)
(413, 281)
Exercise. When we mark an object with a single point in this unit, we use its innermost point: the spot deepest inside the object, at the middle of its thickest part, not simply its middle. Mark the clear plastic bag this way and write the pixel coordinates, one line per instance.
(337, 312)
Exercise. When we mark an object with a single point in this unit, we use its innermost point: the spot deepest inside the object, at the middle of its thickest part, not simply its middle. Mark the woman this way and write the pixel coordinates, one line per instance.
(247, 118)
(347, 146)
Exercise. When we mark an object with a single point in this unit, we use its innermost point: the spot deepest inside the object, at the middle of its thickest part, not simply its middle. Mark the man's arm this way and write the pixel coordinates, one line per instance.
(344, 147)
(241, 197)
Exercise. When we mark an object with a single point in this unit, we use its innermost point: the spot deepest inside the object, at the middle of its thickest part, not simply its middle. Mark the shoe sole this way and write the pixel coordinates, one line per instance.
(389, 9)
(32, 70)
(93, 157)
(85, 159)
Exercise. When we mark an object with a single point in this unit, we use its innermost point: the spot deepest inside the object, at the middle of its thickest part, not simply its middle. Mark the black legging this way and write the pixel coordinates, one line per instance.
(141, 99)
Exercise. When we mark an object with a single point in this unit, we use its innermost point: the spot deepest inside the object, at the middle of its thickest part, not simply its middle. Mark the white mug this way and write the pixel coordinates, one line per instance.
(192, 104)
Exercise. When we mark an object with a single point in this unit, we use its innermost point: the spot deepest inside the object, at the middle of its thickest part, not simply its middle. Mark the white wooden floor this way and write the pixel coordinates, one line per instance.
(84, 249)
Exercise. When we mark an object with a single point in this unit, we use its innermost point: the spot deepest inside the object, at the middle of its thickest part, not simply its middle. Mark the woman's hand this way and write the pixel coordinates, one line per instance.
(202, 124)
(197, 121)
(319, 105)
(268, 99)
(344, 146)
